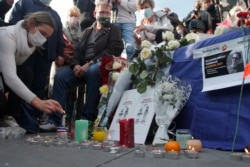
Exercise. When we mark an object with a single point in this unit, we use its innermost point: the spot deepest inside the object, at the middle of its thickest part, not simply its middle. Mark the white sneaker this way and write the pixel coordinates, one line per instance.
(9, 121)
(49, 127)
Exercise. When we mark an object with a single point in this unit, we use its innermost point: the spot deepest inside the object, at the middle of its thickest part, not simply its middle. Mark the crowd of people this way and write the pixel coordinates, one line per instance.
(40, 42)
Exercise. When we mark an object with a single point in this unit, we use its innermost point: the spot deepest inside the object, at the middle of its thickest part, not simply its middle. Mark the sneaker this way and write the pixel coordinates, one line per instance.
(8, 121)
(49, 127)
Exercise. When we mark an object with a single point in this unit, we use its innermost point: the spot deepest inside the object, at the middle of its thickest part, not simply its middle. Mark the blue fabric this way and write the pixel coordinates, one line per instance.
(211, 116)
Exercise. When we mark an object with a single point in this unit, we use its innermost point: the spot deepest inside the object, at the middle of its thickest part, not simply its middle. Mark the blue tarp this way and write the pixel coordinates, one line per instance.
(211, 116)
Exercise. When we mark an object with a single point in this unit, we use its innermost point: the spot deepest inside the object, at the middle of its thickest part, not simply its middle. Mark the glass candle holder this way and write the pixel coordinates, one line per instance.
(100, 134)
(182, 136)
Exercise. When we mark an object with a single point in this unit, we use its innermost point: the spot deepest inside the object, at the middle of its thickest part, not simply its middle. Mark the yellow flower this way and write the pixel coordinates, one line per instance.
(104, 89)
(145, 53)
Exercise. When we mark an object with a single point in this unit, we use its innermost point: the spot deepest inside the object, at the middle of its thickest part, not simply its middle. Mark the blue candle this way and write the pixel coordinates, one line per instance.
(81, 130)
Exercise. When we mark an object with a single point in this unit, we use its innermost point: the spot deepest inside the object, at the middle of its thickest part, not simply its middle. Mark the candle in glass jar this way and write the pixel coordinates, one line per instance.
(139, 153)
(159, 154)
(246, 157)
(182, 135)
(191, 153)
(172, 154)
(195, 144)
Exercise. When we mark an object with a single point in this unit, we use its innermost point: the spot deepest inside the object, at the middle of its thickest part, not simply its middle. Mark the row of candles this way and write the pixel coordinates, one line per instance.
(107, 146)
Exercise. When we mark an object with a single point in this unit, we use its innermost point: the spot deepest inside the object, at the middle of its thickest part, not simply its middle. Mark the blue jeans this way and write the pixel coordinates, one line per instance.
(65, 79)
(127, 30)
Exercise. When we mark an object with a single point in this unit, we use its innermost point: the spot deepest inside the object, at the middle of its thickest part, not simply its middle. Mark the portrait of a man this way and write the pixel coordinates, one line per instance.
(235, 62)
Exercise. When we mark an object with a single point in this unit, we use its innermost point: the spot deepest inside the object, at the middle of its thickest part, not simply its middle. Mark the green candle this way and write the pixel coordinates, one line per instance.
(81, 130)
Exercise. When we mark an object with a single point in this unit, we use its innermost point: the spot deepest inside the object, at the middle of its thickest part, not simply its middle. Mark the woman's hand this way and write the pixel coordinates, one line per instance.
(47, 106)
(140, 28)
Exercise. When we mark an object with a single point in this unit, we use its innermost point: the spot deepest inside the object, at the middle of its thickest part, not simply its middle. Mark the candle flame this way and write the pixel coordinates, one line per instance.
(109, 137)
(193, 149)
(246, 151)
(189, 147)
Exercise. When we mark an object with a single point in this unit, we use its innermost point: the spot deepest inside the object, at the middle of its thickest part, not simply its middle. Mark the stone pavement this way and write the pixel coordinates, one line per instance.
(19, 153)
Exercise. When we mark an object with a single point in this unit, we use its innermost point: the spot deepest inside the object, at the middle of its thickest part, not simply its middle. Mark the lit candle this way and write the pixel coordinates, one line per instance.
(81, 130)
(191, 153)
(127, 132)
(246, 157)
(99, 134)
(139, 153)
(194, 143)
(172, 154)
(159, 154)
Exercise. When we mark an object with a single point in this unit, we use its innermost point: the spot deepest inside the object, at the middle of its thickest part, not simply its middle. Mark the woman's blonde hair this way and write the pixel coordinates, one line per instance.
(74, 11)
(40, 18)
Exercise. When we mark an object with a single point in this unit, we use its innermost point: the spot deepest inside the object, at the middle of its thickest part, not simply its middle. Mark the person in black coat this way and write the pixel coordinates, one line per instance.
(5, 6)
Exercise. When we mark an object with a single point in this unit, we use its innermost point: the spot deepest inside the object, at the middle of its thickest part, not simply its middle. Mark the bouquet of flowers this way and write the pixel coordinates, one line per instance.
(153, 61)
(112, 89)
(171, 95)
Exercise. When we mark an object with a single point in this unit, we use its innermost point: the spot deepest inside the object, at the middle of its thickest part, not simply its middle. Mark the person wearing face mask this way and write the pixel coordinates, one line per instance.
(180, 31)
(41, 60)
(99, 40)
(19, 42)
(151, 22)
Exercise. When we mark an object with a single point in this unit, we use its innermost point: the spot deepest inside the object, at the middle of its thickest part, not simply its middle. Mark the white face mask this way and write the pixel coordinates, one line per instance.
(36, 39)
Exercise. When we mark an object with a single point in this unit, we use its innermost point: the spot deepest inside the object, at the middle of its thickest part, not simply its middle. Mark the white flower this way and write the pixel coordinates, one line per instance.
(145, 53)
(145, 44)
(167, 86)
(221, 30)
(173, 44)
(192, 36)
(167, 36)
(116, 65)
(115, 75)
(167, 97)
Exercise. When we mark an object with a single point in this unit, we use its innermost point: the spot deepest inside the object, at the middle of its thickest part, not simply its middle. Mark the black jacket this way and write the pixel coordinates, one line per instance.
(108, 42)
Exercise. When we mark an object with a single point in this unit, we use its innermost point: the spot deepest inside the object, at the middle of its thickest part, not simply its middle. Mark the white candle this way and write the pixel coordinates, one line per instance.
(191, 153)
(236, 156)
(114, 150)
(159, 154)
(97, 146)
(139, 153)
(172, 155)
(246, 157)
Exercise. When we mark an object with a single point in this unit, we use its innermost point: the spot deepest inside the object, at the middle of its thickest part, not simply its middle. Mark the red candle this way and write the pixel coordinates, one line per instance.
(127, 132)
